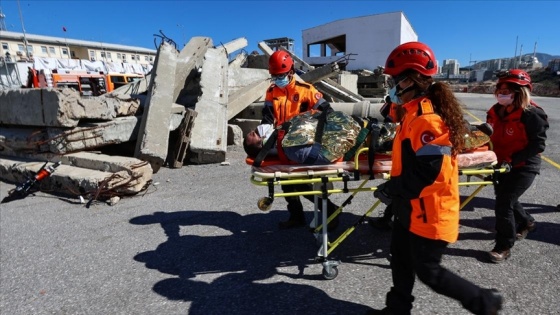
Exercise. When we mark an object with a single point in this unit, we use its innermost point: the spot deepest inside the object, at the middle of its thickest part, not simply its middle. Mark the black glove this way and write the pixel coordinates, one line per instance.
(382, 194)
(506, 165)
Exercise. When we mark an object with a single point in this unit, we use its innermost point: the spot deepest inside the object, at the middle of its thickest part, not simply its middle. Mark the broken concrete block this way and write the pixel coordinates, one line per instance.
(230, 47)
(49, 107)
(153, 134)
(209, 134)
(189, 62)
(238, 60)
(240, 99)
(81, 173)
(234, 135)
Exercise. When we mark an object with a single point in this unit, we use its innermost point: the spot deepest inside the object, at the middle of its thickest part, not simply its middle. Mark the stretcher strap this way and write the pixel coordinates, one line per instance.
(266, 147)
(316, 148)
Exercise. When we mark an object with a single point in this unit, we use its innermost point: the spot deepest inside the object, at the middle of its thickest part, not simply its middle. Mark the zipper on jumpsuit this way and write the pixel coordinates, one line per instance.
(285, 106)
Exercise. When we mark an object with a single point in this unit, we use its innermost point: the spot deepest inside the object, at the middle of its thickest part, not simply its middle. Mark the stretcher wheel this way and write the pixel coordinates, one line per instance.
(330, 275)
(264, 203)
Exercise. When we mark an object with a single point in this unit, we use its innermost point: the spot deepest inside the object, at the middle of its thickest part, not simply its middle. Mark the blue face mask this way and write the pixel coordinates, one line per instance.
(282, 82)
(393, 95)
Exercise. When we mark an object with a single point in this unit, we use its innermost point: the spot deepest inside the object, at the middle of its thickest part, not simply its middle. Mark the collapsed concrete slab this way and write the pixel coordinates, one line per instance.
(82, 174)
(236, 44)
(369, 108)
(238, 60)
(50, 107)
(153, 134)
(86, 136)
(209, 134)
(187, 69)
(245, 86)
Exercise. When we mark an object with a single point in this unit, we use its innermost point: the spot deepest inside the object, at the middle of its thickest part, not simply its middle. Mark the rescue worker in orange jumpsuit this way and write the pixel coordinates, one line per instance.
(519, 137)
(423, 188)
(286, 98)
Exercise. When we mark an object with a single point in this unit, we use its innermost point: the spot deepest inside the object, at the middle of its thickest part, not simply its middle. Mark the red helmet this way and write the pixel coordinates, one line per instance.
(280, 62)
(515, 76)
(412, 55)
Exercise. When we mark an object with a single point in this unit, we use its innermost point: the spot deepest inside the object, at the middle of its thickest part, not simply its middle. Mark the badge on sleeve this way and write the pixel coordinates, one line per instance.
(426, 137)
(318, 96)
(296, 97)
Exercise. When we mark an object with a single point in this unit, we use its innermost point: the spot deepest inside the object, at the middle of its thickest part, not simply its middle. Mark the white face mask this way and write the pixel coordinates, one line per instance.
(505, 99)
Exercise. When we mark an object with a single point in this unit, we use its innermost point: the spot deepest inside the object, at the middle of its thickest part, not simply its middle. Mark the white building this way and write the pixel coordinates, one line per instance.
(25, 47)
(20, 51)
(450, 67)
(368, 40)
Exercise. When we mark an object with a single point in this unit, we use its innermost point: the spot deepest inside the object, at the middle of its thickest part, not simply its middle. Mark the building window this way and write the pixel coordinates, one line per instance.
(124, 56)
(52, 51)
(119, 56)
(109, 55)
(151, 58)
(137, 57)
(145, 58)
(92, 55)
(5, 46)
(30, 49)
(64, 51)
(132, 57)
(102, 54)
(44, 49)
(20, 47)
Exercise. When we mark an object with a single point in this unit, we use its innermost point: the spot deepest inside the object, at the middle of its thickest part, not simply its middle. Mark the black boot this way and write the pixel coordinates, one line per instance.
(297, 217)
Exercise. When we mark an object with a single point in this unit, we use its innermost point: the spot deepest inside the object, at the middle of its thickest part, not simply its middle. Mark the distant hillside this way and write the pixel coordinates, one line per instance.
(542, 57)
(545, 58)
(545, 83)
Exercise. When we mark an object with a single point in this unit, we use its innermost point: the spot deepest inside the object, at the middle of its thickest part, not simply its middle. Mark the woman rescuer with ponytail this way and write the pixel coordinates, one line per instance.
(423, 188)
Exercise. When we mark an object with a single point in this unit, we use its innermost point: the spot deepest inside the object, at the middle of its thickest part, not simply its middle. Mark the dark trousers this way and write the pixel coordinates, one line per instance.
(412, 256)
(508, 209)
(295, 208)
(388, 213)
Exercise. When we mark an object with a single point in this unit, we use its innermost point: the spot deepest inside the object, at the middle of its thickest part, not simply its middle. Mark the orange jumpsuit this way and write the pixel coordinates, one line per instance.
(281, 104)
(425, 199)
(424, 175)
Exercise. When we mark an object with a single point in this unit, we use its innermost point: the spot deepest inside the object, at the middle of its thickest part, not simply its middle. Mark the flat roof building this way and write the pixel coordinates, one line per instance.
(367, 40)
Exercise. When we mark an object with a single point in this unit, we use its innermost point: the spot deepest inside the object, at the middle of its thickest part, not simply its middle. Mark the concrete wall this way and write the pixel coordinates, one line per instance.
(370, 37)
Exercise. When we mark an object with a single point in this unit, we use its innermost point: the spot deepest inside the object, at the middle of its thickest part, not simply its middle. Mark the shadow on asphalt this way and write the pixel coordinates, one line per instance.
(242, 252)
(488, 203)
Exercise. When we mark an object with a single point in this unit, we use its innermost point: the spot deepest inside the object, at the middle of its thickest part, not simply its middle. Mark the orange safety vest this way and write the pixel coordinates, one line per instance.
(425, 175)
(295, 98)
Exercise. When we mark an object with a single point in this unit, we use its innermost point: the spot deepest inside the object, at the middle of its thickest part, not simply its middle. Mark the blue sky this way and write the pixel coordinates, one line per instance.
(463, 30)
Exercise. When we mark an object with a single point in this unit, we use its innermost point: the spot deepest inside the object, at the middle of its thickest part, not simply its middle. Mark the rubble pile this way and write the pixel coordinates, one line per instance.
(189, 108)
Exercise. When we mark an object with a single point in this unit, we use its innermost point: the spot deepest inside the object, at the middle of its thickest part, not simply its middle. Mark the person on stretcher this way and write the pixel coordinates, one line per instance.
(340, 135)
(302, 143)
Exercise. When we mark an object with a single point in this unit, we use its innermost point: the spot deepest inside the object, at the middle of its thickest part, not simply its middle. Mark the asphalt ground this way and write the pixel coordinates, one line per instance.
(196, 243)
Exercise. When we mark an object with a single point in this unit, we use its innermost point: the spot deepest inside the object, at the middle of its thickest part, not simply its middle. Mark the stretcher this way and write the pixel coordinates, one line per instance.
(476, 168)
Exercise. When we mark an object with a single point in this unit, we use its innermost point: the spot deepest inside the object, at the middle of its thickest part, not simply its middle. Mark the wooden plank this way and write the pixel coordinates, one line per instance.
(179, 150)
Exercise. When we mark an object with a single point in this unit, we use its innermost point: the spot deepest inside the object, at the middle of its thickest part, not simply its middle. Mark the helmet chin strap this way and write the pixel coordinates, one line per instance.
(406, 89)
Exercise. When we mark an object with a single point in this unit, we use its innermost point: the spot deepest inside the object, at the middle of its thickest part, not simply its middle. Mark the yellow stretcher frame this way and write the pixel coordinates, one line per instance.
(322, 179)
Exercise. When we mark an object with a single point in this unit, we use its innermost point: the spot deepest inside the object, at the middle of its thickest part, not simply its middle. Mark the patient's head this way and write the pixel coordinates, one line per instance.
(252, 144)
